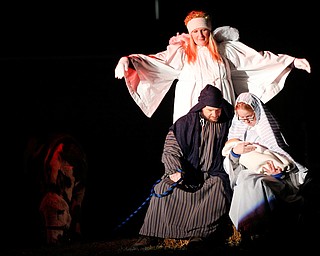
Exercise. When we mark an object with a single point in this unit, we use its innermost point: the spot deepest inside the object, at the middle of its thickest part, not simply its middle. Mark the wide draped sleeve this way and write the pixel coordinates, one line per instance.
(151, 76)
(261, 73)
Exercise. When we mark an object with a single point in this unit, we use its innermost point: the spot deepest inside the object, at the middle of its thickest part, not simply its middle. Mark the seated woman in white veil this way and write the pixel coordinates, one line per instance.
(258, 194)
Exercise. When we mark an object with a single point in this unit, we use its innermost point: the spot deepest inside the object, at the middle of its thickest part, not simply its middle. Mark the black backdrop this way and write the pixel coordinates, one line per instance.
(57, 75)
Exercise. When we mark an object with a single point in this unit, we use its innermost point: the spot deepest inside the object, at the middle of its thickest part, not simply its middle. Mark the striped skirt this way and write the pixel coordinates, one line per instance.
(182, 214)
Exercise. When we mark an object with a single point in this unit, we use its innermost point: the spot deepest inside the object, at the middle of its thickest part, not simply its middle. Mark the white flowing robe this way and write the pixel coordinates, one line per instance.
(255, 194)
(153, 76)
(263, 74)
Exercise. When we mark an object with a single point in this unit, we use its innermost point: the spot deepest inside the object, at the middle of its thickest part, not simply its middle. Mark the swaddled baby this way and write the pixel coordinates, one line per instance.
(257, 159)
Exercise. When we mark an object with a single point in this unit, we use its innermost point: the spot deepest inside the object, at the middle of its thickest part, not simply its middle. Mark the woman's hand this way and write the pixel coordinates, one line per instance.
(243, 147)
(302, 64)
(180, 39)
(122, 67)
(271, 169)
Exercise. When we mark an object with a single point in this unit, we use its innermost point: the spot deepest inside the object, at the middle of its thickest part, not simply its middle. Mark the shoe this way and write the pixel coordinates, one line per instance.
(146, 241)
(196, 243)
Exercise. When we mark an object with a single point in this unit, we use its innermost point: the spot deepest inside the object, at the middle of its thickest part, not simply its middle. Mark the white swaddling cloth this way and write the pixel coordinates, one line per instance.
(258, 158)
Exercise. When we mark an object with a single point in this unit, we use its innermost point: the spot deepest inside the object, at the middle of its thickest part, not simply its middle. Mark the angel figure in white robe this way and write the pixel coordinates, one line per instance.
(204, 56)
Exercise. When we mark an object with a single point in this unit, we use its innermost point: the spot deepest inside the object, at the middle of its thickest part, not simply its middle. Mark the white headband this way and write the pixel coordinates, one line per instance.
(198, 23)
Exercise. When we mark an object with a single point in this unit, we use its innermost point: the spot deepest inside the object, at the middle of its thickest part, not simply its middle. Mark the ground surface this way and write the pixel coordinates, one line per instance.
(122, 247)
(294, 243)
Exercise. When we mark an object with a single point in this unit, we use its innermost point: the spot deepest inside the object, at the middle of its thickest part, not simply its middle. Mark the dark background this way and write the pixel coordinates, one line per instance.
(57, 75)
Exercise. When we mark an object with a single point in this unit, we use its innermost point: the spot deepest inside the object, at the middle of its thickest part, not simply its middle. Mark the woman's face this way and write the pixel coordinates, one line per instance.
(201, 36)
(247, 116)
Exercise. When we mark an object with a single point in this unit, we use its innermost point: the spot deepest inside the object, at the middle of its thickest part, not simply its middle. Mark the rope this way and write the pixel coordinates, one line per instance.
(149, 197)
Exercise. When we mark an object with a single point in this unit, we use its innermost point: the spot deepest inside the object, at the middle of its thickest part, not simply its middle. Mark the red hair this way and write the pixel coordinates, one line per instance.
(191, 47)
(244, 106)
